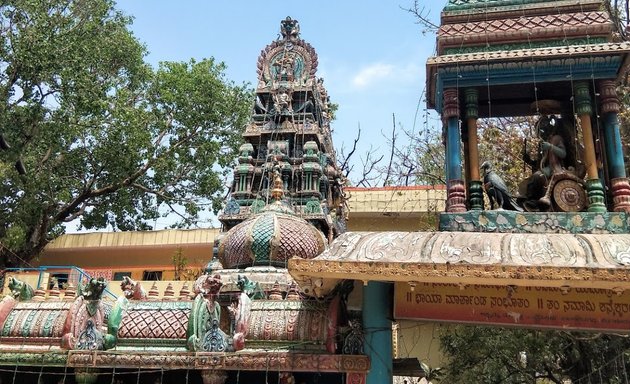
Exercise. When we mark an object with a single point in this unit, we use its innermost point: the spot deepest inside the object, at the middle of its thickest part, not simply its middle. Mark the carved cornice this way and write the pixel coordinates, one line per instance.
(241, 361)
(537, 53)
(596, 261)
(524, 45)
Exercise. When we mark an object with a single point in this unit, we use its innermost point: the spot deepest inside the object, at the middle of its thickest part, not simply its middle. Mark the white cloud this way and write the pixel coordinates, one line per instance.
(371, 74)
(393, 74)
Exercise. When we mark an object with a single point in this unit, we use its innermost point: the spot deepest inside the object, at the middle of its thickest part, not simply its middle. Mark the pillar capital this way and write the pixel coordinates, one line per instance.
(471, 97)
(609, 99)
(451, 103)
(582, 98)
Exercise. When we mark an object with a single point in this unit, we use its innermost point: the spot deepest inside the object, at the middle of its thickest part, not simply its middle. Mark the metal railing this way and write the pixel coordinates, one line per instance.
(75, 275)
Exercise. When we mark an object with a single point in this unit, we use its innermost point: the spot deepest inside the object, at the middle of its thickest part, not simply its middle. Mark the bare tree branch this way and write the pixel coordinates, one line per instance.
(392, 147)
(421, 14)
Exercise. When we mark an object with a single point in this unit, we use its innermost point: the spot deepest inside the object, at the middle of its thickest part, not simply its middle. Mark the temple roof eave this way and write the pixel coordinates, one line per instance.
(551, 260)
(472, 69)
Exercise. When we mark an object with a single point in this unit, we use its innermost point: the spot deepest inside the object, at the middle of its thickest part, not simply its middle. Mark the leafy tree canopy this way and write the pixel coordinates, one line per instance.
(90, 131)
(515, 356)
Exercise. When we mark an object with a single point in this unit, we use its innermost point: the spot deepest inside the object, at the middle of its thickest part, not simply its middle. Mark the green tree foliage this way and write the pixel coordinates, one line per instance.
(514, 356)
(89, 131)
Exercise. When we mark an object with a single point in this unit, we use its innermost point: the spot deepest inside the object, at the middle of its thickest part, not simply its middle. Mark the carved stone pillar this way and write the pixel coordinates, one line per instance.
(475, 192)
(456, 200)
(594, 187)
(610, 107)
(213, 377)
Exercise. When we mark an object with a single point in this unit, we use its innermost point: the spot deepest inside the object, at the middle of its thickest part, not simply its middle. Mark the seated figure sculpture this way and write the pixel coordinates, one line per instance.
(557, 162)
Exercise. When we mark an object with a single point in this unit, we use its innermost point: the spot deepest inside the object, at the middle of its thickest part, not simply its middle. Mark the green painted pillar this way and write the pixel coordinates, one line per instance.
(377, 325)
(584, 110)
(475, 191)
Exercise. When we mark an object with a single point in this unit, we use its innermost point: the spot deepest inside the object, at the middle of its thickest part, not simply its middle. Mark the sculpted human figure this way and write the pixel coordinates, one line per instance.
(552, 161)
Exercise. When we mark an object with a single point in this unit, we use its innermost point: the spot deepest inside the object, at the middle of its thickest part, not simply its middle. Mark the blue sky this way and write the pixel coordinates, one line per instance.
(371, 53)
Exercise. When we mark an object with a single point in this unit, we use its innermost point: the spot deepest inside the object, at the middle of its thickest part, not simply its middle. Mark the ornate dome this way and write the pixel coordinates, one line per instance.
(270, 238)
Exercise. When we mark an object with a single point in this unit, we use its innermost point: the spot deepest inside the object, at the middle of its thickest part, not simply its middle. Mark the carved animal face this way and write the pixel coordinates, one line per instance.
(16, 286)
(94, 289)
(128, 287)
(208, 284)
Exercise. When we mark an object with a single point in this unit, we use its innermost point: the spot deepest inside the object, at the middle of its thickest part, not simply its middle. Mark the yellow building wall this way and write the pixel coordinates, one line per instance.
(135, 252)
(406, 209)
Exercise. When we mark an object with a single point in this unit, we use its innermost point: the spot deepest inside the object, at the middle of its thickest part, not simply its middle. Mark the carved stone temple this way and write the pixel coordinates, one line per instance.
(290, 296)
(245, 319)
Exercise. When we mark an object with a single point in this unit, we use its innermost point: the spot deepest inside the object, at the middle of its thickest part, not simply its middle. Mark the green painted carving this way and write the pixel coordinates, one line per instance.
(471, 97)
(582, 98)
(471, 4)
(92, 292)
(523, 45)
(49, 323)
(536, 222)
(203, 330)
(262, 234)
(20, 290)
(312, 207)
(251, 288)
(257, 206)
(475, 193)
(113, 324)
(27, 324)
(86, 376)
(48, 359)
(595, 192)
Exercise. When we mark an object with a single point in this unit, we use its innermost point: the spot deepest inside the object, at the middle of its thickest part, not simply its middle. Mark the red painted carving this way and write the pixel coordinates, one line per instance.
(609, 98)
(456, 201)
(132, 289)
(355, 378)
(451, 104)
(621, 194)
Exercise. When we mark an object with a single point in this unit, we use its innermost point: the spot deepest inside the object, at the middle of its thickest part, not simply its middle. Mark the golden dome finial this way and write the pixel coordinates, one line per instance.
(277, 193)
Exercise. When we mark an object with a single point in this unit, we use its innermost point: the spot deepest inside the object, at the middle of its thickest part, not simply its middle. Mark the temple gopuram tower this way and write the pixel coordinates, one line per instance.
(288, 139)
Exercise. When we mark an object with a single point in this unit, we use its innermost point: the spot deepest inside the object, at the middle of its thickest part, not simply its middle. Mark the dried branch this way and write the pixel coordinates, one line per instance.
(345, 159)
(392, 147)
(421, 13)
